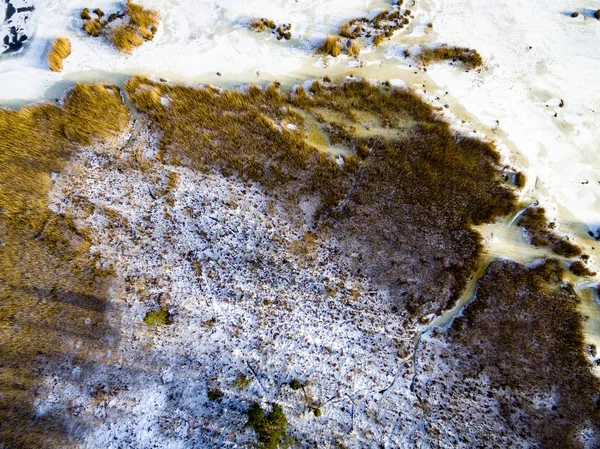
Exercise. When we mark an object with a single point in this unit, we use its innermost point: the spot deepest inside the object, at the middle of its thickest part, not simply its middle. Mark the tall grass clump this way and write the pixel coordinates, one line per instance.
(353, 47)
(136, 25)
(59, 50)
(415, 178)
(467, 56)
(332, 46)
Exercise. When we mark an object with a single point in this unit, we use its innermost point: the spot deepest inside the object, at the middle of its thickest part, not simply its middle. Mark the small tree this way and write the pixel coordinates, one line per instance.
(271, 429)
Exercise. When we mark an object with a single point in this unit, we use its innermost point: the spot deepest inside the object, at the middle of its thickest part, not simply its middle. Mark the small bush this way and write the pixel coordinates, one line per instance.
(317, 412)
(377, 39)
(295, 384)
(520, 180)
(597, 14)
(575, 14)
(242, 382)
(156, 318)
(98, 12)
(271, 429)
(85, 14)
(59, 50)
(353, 47)
(332, 46)
(215, 394)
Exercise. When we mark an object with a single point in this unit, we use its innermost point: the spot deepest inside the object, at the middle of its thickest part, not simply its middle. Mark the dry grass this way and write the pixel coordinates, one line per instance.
(94, 27)
(126, 37)
(353, 47)
(467, 56)
(422, 182)
(48, 284)
(262, 24)
(332, 46)
(59, 50)
(141, 17)
(523, 334)
(138, 25)
(536, 225)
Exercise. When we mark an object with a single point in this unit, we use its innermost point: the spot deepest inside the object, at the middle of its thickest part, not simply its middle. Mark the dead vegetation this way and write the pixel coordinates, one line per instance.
(332, 46)
(126, 29)
(48, 284)
(262, 24)
(395, 199)
(381, 27)
(469, 57)
(540, 233)
(59, 50)
(519, 347)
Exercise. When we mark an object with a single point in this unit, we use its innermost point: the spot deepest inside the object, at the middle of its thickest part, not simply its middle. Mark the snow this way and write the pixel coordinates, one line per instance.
(219, 256)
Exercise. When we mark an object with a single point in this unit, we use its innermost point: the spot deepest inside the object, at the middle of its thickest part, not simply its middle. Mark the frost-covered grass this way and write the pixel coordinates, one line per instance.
(213, 257)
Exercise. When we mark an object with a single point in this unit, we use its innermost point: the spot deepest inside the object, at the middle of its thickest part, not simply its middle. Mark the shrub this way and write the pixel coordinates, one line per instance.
(295, 384)
(59, 50)
(271, 429)
(156, 318)
(242, 382)
(332, 46)
(98, 12)
(317, 412)
(377, 39)
(575, 14)
(214, 394)
(85, 14)
(597, 14)
(353, 47)
(520, 180)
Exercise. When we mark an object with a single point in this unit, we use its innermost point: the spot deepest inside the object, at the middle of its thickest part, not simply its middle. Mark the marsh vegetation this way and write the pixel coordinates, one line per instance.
(59, 50)
(407, 176)
(125, 29)
(49, 285)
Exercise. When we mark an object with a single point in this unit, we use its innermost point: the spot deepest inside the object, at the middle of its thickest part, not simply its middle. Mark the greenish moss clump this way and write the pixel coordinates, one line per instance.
(295, 384)
(317, 412)
(271, 428)
(215, 394)
(156, 318)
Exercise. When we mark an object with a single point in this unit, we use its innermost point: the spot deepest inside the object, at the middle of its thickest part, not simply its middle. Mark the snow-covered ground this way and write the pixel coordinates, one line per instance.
(219, 256)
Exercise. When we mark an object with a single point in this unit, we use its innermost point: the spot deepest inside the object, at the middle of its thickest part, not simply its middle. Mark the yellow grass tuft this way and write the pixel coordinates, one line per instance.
(469, 57)
(353, 47)
(332, 46)
(59, 50)
(141, 17)
(126, 37)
